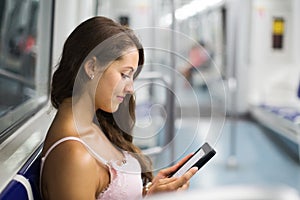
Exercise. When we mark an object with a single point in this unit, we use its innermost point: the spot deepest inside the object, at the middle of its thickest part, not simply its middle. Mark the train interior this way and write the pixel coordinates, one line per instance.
(224, 72)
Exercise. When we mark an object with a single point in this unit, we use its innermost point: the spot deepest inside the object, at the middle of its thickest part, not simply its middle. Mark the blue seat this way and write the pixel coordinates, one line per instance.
(15, 190)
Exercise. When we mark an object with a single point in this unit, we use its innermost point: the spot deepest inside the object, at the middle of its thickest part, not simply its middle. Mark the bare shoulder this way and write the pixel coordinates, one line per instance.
(72, 154)
(71, 172)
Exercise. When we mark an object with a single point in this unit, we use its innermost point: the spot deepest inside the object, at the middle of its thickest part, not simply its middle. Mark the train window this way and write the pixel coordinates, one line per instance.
(25, 48)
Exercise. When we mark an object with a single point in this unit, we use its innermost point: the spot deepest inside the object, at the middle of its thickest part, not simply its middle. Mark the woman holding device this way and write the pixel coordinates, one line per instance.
(88, 152)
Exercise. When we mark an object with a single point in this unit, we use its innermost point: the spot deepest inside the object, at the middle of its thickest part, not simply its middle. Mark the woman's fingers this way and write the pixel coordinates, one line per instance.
(162, 185)
(173, 184)
(184, 178)
(183, 160)
(191, 172)
(184, 187)
(165, 172)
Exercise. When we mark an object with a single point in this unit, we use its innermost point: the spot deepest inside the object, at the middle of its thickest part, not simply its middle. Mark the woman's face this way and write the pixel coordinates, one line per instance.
(116, 82)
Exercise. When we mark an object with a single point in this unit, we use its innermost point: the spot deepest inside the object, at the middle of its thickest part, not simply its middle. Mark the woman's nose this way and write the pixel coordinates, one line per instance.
(129, 87)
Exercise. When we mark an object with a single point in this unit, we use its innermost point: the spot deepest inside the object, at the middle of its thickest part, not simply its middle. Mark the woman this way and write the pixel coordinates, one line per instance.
(88, 152)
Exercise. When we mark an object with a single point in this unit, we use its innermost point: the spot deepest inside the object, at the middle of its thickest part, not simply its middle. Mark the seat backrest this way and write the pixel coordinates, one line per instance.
(31, 171)
(26, 183)
(14, 190)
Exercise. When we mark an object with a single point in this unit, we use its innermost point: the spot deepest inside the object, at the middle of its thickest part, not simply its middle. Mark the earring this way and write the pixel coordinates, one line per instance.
(92, 76)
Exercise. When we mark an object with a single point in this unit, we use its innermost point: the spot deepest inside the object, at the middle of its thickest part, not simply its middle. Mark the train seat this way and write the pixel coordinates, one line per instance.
(25, 184)
(14, 190)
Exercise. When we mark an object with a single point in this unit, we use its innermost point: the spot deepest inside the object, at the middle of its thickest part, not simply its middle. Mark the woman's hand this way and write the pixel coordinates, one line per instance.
(162, 183)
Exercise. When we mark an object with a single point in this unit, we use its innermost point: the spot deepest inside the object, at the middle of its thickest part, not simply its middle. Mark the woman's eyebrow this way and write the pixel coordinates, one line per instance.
(129, 67)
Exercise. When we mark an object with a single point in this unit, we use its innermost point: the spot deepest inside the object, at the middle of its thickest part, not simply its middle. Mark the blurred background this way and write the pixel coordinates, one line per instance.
(224, 72)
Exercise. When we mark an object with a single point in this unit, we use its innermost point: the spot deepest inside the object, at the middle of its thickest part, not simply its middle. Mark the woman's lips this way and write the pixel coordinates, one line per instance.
(120, 98)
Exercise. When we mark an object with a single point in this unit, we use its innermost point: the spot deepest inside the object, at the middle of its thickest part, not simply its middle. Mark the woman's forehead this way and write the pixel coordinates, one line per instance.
(129, 59)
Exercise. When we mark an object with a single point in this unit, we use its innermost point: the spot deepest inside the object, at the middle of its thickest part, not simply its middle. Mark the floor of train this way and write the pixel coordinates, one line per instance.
(260, 161)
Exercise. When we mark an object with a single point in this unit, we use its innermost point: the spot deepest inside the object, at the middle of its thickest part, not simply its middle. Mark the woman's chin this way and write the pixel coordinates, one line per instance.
(114, 108)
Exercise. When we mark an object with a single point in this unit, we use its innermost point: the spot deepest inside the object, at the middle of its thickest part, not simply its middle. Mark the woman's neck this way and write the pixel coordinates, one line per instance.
(82, 110)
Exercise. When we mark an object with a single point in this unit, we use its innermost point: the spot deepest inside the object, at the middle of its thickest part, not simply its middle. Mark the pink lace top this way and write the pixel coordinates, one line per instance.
(125, 182)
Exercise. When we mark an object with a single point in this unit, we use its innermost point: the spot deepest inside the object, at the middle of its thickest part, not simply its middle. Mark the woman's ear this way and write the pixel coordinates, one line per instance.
(90, 67)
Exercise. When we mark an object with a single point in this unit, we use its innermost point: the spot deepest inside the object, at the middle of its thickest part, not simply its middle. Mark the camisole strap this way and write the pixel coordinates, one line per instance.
(76, 139)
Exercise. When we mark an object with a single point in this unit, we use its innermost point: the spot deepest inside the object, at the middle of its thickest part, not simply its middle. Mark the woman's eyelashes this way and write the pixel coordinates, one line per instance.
(125, 76)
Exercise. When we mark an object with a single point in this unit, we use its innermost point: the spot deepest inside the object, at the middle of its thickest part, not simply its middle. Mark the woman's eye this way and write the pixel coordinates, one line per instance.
(125, 75)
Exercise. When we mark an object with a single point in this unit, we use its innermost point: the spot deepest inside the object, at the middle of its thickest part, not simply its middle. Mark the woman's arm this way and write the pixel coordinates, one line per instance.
(72, 173)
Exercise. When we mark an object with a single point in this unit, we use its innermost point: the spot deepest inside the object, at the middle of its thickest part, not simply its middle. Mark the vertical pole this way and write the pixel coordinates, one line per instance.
(170, 98)
(232, 36)
(232, 85)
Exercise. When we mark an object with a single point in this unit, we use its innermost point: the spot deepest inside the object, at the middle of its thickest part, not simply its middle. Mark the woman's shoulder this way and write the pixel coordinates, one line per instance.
(70, 153)
(69, 166)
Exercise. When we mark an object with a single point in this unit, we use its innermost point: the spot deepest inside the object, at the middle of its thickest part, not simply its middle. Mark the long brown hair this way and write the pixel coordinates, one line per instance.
(82, 41)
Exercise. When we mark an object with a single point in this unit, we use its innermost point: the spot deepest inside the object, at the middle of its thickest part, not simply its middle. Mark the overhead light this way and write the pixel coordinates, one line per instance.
(189, 10)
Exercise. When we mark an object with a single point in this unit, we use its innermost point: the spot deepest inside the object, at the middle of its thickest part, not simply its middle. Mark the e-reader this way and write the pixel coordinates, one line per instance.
(199, 159)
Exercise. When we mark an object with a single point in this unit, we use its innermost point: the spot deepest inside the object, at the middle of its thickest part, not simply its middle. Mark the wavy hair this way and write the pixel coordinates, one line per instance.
(82, 41)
